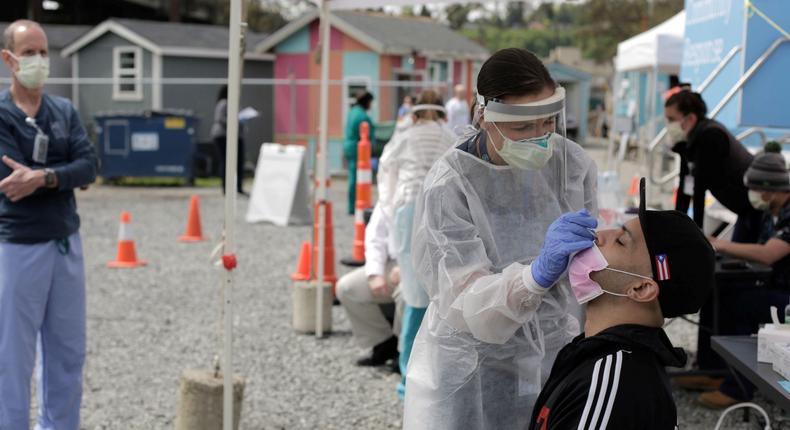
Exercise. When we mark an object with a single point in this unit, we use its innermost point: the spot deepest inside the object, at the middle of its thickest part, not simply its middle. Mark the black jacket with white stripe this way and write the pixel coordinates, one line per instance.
(613, 380)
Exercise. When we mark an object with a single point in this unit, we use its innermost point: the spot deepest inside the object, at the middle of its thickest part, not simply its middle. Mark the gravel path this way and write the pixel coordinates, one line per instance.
(146, 326)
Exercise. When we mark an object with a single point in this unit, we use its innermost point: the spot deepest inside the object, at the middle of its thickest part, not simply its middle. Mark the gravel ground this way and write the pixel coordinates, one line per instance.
(146, 326)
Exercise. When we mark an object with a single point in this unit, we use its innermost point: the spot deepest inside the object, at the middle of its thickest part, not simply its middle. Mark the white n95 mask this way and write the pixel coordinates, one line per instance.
(675, 132)
(526, 154)
(33, 70)
(756, 199)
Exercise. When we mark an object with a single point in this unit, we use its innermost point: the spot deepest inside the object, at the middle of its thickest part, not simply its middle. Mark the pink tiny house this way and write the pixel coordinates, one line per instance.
(367, 51)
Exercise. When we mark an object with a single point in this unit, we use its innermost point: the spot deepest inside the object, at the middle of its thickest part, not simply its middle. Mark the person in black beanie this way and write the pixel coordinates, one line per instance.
(613, 375)
(768, 182)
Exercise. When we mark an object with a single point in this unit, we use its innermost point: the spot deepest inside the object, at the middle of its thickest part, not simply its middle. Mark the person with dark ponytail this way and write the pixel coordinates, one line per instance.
(713, 160)
(491, 257)
(406, 160)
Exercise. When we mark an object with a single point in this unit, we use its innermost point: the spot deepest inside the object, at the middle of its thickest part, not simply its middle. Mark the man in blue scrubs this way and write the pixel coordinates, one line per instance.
(45, 154)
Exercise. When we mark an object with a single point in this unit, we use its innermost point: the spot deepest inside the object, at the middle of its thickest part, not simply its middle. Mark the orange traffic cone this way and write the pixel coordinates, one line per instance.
(127, 256)
(303, 266)
(194, 232)
(329, 245)
(357, 258)
(364, 184)
(364, 169)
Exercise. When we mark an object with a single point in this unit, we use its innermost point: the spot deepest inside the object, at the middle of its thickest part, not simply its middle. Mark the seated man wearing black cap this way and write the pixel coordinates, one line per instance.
(612, 375)
(768, 182)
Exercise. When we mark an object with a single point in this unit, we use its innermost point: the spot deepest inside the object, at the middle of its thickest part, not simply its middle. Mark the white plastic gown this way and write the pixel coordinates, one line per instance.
(406, 160)
(487, 342)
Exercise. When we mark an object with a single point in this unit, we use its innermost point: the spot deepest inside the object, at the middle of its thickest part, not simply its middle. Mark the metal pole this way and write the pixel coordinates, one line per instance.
(291, 105)
(321, 173)
(746, 76)
(723, 63)
(654, 102)
(234, 77)
(216, 81)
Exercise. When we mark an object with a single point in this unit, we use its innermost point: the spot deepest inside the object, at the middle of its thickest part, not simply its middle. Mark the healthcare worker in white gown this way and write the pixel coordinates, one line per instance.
(494, 226)
(406, 160)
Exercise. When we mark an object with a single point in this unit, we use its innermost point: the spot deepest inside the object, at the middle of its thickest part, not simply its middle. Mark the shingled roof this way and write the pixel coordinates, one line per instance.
(186, 35)
(166, 37)
(388, 34)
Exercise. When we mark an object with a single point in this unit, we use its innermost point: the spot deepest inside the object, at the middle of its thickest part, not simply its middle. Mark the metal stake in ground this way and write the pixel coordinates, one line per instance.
(235, 62)
(321, 173)
(200, 390)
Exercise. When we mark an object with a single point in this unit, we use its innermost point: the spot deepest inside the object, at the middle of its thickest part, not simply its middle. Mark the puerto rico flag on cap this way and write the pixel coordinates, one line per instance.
(662, 267)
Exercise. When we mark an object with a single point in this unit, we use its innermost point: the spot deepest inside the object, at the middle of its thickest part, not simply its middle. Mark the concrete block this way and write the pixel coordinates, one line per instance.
(304, 310)
(200, 400)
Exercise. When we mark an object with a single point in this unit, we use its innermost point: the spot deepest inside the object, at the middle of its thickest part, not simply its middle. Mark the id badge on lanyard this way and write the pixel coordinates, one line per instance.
(40, 147)
(688, 185)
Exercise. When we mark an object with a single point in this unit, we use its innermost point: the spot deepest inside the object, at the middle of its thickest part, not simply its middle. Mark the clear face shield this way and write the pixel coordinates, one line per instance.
(524, 122)
(525, 135)
(418, 111)
(441, 112)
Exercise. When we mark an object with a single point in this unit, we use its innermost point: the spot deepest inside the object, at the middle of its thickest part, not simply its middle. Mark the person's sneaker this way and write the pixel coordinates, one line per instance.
(381, 353)
(716, 400)
(704, 383)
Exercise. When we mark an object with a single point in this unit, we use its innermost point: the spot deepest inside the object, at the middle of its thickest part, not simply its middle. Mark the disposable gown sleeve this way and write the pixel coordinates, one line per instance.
(376, 236)
(388, 173)
(451, 261)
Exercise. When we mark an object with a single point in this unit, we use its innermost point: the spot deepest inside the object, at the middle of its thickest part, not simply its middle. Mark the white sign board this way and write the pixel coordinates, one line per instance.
(280, 189)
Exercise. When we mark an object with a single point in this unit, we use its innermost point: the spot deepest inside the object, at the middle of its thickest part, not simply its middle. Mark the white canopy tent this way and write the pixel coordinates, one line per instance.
(660, 47)
(651, 53)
